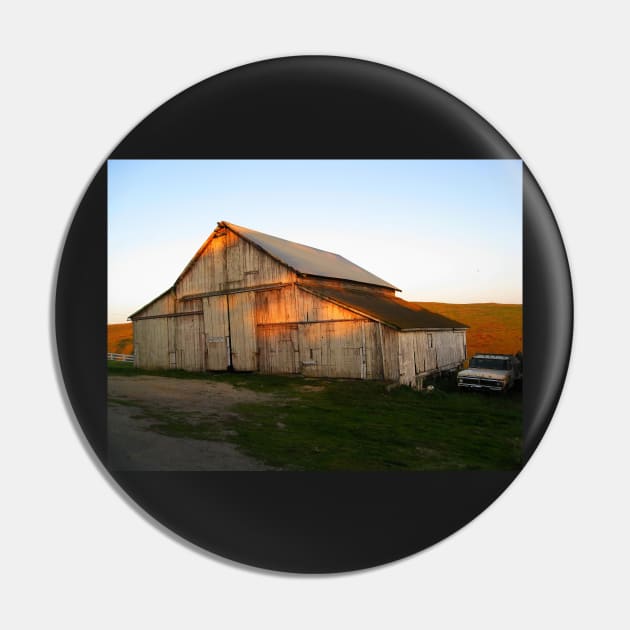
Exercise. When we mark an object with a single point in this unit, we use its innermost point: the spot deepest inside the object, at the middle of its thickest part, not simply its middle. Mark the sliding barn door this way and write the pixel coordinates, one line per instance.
(215, 318)
(241, 313)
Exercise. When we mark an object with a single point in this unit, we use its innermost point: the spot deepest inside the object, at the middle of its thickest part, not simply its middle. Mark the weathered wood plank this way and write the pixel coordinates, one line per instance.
(188, 306)
(216, 328)
(278, 349)
(229, 262)
(313, 308)
(161, 306)
(276, 306)
(332, 349)
(151, 343)
(189, 343)
(422, 353)
(242, 322)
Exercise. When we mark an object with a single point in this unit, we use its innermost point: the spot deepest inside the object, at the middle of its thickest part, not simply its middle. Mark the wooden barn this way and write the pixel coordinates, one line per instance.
(248, 301)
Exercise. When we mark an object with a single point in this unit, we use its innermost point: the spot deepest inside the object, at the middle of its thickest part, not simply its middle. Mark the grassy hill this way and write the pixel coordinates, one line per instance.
(493, 327)
(120, 338)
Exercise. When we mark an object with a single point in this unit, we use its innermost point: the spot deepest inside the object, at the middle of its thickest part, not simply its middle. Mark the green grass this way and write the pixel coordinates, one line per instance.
(322, 424)
(362, 426)
(119, 365)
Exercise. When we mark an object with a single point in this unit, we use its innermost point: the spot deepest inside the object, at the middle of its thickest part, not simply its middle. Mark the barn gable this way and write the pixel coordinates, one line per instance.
(228, 262)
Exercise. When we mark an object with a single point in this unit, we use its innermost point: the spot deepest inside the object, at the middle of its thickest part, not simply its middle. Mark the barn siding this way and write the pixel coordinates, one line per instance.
(242, 320)
(150, 338)
(292, 304)
(389, 343)
(332, 349)
(188, 306)
(208, 273)
(229, 262)
(161, 306)
(276, 306)
(423, 352)
(278, 349)
(450, 347)
(190, 343)
(216, 328)
(373, 351)
(172, 349)
(311, 308)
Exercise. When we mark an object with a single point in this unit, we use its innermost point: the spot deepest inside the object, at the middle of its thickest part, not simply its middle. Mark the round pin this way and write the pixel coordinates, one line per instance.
(313, 314)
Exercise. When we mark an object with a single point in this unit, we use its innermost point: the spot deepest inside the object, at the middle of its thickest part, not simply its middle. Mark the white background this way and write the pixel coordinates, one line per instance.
(552, 77)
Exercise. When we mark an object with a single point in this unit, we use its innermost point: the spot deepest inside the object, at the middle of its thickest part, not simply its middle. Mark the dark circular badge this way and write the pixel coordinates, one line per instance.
(313, 314)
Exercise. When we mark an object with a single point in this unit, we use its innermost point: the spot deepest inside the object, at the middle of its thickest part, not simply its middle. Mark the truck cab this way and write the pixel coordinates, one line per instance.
(491, 372)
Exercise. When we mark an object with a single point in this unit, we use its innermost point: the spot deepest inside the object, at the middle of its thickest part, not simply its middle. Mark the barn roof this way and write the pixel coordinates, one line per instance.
(308, 260)
(388, 309)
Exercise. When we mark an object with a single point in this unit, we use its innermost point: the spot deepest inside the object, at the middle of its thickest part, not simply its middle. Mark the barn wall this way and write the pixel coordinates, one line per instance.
(290, 304)
(188, 306)
(161, 306)
(451, 347)
(335, 349)
(217, 332)
(229, 262)
(241, 307)
(278, 349)
(338, 342)
(171, 323)
(170, 342)
(189, 342)
(389, 344)
(423, 352)
(150, 339)
(276, 306)
(311, 308)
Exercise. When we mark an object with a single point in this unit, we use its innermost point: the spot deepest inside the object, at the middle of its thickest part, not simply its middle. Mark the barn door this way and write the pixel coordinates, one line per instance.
(215, 318)
(334, 349)
(189, 342)
(278, 349)
(242, 326)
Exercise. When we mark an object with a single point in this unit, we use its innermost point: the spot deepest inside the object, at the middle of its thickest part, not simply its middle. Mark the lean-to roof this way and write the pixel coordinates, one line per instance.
(388, 309)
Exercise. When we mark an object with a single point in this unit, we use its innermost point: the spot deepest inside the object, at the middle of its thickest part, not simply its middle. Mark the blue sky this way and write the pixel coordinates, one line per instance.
(441, 230)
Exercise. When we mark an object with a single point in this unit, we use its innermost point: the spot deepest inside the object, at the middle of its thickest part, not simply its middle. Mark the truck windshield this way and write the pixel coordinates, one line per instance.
(490, 364)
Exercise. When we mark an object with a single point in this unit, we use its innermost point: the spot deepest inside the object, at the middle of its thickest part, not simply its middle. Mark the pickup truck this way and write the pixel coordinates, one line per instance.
(491, 372)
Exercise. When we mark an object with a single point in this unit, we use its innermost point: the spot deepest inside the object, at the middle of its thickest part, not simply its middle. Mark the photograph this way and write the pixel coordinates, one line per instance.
(314, 315)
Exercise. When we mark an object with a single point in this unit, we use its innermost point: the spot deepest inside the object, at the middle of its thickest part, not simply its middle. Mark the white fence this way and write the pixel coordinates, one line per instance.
(127, 358)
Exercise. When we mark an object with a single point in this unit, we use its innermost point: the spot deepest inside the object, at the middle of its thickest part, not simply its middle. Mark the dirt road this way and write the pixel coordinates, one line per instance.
(138, 404)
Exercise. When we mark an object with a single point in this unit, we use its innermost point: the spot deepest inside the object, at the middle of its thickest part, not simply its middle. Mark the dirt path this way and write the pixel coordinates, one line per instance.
(136, 403)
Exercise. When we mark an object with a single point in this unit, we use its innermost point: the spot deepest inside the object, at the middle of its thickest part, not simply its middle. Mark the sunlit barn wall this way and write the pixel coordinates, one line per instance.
(227, 262)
